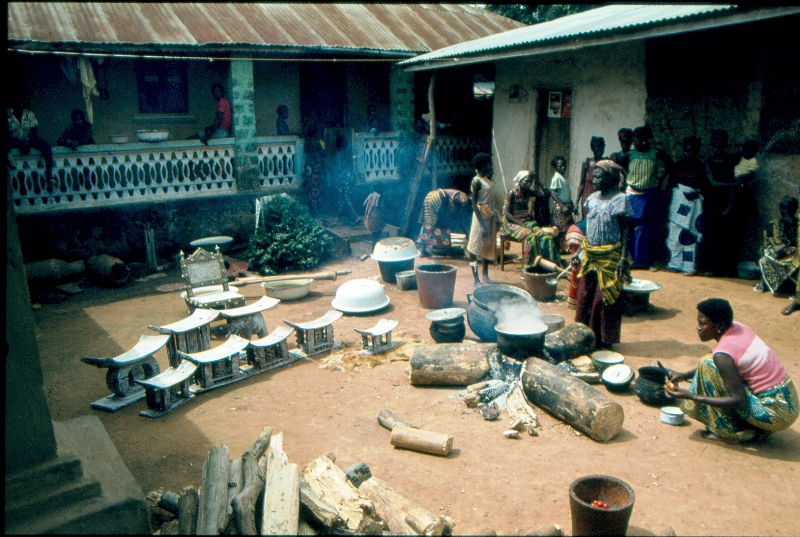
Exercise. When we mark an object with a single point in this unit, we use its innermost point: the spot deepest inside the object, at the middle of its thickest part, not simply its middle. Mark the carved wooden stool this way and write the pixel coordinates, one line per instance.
(218, 366)
(247, 320)
(125, 369)
(316, 336)
(168, 390)
(192, 334)
(271, 351)
(378, 339)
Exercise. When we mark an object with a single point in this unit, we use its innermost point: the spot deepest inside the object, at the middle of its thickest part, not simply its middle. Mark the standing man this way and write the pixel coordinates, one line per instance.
(222, 119)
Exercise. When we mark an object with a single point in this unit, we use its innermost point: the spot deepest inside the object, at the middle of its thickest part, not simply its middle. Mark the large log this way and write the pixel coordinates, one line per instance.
(570, 342)
(571, 400)
(449, 364)
(282, 501)
(318, 510)
(329, 482)
(187, 511)
(389, 419)
(421, 440)
(211, 517)
(401, 512)
(244, 504)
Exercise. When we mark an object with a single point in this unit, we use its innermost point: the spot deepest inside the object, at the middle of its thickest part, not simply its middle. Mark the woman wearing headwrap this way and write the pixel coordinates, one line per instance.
(520, 223)
(603, 257)
(646, 182)
(740, 391)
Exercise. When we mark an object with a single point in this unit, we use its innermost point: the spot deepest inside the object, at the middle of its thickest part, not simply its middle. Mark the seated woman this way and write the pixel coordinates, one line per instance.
(78, 133)
(443, 209)
(779, 263)
(740, 391)
(520, 223)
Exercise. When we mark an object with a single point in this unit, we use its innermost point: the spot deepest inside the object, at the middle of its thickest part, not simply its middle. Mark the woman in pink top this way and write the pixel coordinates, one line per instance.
(740, 391)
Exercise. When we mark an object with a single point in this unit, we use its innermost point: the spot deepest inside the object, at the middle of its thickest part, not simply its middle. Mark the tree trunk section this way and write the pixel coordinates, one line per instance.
(282, 501)
(421, 440)
(571, 400)
(449, 364)
(389, 420)
(187, 511)
(245, 502)
(399, 507)
(570, 342)
(213, 506)
(329, 482)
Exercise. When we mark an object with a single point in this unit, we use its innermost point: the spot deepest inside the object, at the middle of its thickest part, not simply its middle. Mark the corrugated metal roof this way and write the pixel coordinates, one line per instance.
(400, 28)
(596, 22)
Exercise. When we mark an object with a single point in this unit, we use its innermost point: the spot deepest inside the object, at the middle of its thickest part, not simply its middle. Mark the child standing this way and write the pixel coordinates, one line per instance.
(374, 212)
(561, 206)
(603, 258)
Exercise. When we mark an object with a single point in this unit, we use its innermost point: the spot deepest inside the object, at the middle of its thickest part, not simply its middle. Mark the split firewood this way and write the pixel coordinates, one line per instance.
(521, 411)
(511, 433)
(472, 399)
(329, 482)
(421, 440)
(282, 501)
(447, 525)
(478, 386)
(213, 501)
(318, 510)
(401, 514)
(235, 483)
(357, 473)
(449, 364)
(571, 400)
(187, 511)
(389, 419)
(550, 530)
(169, 502)
(244, 503)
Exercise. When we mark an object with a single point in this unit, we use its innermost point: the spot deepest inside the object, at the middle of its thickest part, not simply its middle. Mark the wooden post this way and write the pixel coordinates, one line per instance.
(213, 502)
(571, 400)
(244, 503)
(449, 364)
(402, 514)
(187, 511)
(389, 420)
(421, 440)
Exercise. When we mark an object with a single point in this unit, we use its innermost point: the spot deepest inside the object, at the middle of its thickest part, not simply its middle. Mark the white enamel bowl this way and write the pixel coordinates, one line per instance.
(287, 289)
(152, 136)
(360, 296)
(395, 249)
(603, 359)
(672, 415)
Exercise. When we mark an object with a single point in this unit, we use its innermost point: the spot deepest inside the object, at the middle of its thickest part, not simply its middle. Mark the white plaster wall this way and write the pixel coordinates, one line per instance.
(608, 92)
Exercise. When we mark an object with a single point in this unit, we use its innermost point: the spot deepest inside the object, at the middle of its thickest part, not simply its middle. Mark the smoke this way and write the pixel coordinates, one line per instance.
(517, 315)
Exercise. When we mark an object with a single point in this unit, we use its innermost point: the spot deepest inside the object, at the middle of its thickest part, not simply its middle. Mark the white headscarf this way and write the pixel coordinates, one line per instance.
(524, 174)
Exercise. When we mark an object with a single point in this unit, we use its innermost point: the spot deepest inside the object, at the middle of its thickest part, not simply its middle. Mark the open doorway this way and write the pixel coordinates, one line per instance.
(323, 97)
(553, 129)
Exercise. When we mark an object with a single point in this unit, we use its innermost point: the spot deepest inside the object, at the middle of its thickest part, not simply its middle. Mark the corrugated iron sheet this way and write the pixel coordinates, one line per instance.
(402, 28)
(603, 20)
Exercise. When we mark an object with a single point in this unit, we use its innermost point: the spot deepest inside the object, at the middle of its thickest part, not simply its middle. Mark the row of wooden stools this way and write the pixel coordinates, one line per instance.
(196, 367)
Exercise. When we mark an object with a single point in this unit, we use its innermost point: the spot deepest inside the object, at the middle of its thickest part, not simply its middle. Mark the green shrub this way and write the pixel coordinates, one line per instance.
(287, 239)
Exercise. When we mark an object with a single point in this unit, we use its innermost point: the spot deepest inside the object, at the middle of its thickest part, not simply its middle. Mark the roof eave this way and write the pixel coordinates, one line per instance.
(573, 43)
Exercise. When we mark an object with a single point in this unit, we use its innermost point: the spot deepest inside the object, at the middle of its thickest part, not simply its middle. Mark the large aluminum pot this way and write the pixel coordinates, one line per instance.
(522, 338)
(483, 303)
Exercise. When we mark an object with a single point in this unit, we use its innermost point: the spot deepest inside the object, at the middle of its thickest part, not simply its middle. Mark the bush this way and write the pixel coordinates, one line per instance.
(287, 239)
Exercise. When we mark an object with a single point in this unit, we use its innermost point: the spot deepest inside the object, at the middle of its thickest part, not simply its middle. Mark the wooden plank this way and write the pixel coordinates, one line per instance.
(282, 501)
(213, 501)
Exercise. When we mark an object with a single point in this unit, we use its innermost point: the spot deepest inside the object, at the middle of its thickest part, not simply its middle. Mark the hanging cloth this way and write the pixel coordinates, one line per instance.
(69, 66)
(89, 86)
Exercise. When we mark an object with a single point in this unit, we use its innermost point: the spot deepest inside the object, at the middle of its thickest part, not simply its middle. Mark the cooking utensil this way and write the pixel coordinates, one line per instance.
(554, 281)
(664, 369)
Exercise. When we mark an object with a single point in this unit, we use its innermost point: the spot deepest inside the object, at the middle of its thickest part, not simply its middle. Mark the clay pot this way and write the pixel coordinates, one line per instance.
(590, 520)
(649, 386)
(535, 280)
(108, 270)
(436, 284)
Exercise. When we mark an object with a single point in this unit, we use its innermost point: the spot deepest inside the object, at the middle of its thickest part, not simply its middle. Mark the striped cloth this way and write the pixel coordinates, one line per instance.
(603, 260)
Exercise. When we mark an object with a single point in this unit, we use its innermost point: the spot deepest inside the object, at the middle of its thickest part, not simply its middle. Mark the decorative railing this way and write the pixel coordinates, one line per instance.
(376, 156)
(454, 154)
(280, 159)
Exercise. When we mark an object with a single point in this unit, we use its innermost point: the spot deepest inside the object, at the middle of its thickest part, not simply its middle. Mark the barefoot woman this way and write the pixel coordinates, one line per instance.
(740, 391)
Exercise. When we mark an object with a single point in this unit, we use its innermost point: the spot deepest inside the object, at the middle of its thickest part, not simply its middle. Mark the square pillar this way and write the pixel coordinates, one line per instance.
(245, 160)
(401, 99)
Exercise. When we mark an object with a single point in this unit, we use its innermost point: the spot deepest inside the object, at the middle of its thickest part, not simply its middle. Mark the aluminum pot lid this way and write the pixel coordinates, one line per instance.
(446, 314)
(395, 249)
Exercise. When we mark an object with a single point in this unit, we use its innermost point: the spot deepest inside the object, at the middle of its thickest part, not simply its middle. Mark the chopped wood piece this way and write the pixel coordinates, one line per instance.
(571, 400)
(389, 419)
(447, 525)
(245, 502)
(476, 387)
(449, 364)
(357, 473)
(282, 501)
(235, 483)
(318, 510)
(187, 511)
(329, 483)
(213, 501)
(519, 409)
(401, 514)
(421, 440)
(169, 502)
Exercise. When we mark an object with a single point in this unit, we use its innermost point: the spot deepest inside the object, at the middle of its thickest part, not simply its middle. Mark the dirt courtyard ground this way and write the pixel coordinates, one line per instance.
(511, 486)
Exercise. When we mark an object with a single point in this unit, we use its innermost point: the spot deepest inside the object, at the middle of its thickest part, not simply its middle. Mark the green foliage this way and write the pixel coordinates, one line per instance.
(535, 13)
(288, 239)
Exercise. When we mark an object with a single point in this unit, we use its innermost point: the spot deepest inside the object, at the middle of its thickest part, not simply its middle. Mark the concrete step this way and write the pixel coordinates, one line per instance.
(51, 499)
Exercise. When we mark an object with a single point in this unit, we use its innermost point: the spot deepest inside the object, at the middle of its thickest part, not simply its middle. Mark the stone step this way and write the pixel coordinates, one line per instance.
(52, 474)
(50, 499)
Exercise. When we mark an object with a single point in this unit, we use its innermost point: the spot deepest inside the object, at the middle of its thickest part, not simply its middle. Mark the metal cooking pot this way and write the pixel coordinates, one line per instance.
(513, 341)
(480, 312)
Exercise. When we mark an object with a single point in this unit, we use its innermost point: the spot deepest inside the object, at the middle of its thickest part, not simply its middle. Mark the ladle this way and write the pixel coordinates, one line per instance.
(553, 281)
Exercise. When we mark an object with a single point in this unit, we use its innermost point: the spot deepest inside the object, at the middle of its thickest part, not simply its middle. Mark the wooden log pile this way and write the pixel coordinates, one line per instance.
(262, 493)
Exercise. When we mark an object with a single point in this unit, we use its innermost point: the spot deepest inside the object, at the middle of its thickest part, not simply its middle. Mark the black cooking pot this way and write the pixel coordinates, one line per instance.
(649, 386)
(483, 303)
(521, 340)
